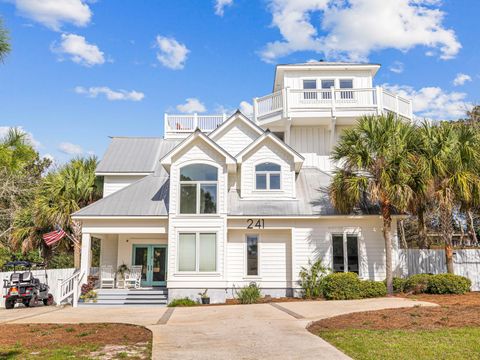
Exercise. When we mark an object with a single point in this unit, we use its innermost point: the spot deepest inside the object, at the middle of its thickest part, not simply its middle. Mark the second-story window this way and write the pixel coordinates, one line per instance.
(198, 189)
(327, 87)
(346, 84)
(267, 176)
(310, 85)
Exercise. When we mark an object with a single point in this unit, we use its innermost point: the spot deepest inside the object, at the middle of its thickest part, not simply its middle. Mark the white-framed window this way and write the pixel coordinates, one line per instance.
(197, 252)
(268, 176)
(310, 84)
(198, 189)
(346, 84)
(252, 248)
(345, 252)
(327, 84)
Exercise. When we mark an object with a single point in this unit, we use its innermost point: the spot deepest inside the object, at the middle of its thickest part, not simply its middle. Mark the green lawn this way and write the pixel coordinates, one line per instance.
(448, 343)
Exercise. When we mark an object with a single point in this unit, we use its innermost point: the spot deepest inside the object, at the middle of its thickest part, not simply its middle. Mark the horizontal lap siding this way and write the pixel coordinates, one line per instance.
(237, 138)
(112, 184)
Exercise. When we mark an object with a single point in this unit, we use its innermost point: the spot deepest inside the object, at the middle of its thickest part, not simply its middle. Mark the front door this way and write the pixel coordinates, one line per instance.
(153, 259)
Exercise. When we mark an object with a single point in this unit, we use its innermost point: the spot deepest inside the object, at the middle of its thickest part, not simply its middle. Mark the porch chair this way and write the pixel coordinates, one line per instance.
(134, 277)
(107, 277)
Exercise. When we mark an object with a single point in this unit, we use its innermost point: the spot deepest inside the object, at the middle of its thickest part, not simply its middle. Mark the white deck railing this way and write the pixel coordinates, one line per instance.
(187, 123)
(289, 100)
(68, 290)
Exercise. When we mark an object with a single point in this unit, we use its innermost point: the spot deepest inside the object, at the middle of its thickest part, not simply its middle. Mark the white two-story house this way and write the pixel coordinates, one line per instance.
(220, 202)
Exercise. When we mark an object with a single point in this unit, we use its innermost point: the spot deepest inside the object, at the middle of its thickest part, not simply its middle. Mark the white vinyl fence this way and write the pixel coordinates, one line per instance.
(53, 276)
(465, 263)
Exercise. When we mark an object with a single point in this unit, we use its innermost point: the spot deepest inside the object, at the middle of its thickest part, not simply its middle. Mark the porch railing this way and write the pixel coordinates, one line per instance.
(68, 290)
(186, 123)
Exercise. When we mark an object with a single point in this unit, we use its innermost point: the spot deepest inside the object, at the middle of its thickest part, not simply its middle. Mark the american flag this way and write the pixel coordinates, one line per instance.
(54, 236)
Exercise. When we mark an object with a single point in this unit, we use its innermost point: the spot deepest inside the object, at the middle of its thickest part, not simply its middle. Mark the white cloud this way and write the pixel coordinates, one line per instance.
(355, 28)
(70, 149)
(191, 105)
(434, 102)
(29, 136)
(171, 53)
(246, 108)
(397, 67)
(112, 95)
(54, 13)
(49, 157)
(461, 79)
(79, 50)
(220, 6)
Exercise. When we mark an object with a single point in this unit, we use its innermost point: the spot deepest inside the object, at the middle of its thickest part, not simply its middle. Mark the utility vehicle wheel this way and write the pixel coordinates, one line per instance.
(9, 305)
(26, 303)
(33, 301)
(48, 301)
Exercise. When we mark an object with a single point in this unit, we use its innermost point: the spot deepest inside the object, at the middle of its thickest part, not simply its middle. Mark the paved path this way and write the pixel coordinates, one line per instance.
(267, 331)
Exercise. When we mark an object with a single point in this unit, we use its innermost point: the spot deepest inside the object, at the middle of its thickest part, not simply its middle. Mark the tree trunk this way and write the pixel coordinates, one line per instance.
(402, 234)
(422, 229)
(447, 233)
(77, 247)
(471, 228)
(387, 235)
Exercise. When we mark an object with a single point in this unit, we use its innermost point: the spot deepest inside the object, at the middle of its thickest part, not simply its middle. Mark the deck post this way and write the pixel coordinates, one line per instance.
(379, 98)
(195, 121)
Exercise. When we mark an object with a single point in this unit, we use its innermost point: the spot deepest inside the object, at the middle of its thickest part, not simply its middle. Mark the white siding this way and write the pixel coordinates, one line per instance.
(268, 151)
(310, 139)
(109, 250)
(113, 183)
(236, 137)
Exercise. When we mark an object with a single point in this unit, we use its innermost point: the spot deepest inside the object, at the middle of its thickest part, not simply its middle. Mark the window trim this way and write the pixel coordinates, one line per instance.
(267, 174)
(246, 276)
(344, 233)
(197, 253)
(197, 190)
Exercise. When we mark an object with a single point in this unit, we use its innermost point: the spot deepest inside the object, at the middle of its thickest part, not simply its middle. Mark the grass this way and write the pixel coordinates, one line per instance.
(56, 353)
(445, 344)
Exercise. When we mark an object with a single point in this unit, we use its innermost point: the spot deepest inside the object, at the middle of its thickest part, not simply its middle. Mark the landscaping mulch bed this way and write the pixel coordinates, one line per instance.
(454, 311)
(92, 341)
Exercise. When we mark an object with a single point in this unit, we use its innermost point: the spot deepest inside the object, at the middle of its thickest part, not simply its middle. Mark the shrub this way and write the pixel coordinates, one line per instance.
(249, 294)
(417, 284)
(371, 289)
(448, 284)
(311, 279)
(182, 302)
(89, 296)
(341, 286)
(398, 284)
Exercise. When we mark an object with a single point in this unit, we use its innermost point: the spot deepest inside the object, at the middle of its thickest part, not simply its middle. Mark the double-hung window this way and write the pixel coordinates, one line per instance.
(310, 85)
(346, 84)
(345, 252)
(197, 252)
(268, 176)
(198, 189)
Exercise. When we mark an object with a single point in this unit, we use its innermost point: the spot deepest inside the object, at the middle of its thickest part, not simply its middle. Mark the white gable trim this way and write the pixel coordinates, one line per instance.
(215, 134)
(297, 158)
(231, 162)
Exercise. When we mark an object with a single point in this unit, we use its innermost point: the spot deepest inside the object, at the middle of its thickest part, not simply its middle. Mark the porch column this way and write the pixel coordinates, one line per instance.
(86, 258)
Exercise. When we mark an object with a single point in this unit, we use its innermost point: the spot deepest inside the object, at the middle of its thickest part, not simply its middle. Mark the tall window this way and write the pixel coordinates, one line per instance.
(345, 252)
(310, 85)
(198, 189)
(267, 176)
(252, 255)
(197, 252)
(346, 84)
(326, 86)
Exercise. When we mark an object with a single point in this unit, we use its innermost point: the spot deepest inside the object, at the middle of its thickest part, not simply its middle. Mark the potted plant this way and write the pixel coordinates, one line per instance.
(205, 298)
(122, 270)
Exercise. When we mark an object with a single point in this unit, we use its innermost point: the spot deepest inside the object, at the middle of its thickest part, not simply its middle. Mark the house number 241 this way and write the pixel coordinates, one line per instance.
(252, 224)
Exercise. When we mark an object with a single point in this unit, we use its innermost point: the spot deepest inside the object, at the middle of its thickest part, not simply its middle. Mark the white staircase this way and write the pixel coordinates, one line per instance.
(135, 297)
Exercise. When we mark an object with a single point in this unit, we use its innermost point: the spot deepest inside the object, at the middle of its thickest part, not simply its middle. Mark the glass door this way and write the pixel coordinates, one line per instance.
(153, 259)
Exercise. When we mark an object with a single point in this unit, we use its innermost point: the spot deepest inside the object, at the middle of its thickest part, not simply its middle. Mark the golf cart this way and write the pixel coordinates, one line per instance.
(24, 288)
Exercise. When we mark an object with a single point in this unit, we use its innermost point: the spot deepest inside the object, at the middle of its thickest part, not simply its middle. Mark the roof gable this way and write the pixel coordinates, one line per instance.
(236, 117)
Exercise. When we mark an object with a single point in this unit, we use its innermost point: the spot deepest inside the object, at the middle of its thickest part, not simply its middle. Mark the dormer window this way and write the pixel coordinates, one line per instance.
(267, 176)
(198, 189)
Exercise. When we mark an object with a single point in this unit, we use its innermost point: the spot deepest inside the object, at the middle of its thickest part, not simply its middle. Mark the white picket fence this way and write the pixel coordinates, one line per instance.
(53, 277)
(465, 262)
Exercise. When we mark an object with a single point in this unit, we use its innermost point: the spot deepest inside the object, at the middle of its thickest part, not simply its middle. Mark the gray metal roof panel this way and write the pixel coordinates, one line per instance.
(134, 155)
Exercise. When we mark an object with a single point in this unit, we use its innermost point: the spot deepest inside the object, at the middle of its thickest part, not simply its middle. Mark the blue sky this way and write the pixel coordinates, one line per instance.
(83, 70)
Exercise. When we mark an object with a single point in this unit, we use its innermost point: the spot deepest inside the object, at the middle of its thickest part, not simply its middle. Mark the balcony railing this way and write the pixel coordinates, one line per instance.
(180, 125)
(371, 100)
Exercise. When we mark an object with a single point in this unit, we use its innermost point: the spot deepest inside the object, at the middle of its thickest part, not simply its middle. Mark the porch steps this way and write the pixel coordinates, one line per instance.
(135, 297)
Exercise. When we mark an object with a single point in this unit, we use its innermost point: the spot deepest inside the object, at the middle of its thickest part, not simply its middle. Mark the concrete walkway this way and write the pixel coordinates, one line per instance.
(268, 331)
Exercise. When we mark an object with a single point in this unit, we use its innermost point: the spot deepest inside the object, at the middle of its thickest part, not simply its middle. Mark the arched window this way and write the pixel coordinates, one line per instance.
(198, 189)
(267, 176)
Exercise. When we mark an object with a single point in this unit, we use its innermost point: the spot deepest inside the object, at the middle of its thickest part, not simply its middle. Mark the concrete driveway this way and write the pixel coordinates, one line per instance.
(268, 331)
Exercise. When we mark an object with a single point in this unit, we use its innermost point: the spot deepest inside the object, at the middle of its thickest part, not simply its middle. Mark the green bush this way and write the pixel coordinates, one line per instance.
(311, 279)
(341, 286)
(249, 294)
(448, 284)
(398, 284)
(371, 289)
(182, 302)
(417, 284)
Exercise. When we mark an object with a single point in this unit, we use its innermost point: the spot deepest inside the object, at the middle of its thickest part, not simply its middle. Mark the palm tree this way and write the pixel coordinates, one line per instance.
(66, 191)
(451, 152)
(377, 157)
(4, 42)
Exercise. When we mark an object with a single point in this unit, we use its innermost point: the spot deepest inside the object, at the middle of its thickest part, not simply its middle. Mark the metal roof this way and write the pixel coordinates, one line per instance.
(145, 197)
(134, 154)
